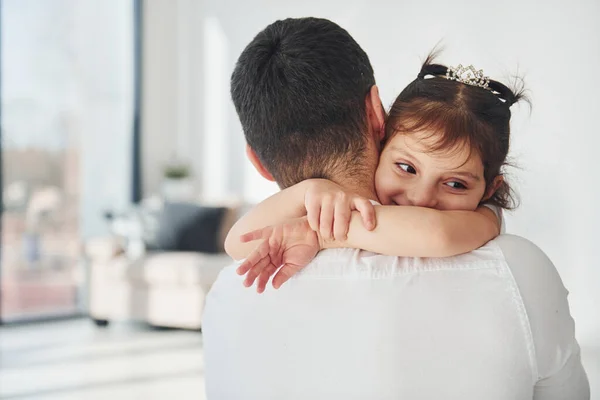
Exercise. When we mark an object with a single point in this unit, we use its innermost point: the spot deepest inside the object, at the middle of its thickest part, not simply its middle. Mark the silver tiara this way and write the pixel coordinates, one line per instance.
(469, 76)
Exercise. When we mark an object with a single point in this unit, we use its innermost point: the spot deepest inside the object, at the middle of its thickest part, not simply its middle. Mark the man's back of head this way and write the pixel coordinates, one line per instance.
(299, 89)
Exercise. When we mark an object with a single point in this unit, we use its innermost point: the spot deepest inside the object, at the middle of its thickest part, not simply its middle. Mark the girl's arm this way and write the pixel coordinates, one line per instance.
(401, 230)
(280, 207)
(292, 203)
(421, 232)
(288, 247)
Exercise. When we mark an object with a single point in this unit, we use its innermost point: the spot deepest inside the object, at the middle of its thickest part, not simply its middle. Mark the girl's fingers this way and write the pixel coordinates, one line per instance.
(367, 212)
(341, 220)
(313, 212)
(264, 277)
(262, 233)
(283, 275)
(326, 218)
(255, 271)
(261, 252)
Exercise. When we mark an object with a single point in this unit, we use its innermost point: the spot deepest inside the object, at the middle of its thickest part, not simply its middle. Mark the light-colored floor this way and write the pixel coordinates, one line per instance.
(74, 360)
(591, 362)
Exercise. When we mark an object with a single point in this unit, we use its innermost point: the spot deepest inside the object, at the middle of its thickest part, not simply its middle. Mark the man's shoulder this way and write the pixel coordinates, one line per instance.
(535, 274)
(512, 244)
(513, 249)
(341, 262)
(551, 327)
(520, 253)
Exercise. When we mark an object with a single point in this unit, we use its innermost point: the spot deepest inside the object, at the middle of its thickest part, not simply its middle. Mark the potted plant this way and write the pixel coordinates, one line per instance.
(176, 171)
(177, 183)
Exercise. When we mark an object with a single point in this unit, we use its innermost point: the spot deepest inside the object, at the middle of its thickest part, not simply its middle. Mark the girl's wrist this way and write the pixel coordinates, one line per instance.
(329, 243)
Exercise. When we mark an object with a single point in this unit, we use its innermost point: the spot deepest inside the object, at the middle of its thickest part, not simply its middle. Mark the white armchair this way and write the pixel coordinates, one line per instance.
(163, 288)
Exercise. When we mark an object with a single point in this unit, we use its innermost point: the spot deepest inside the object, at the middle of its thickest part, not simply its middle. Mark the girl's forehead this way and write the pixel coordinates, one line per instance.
(424, 146)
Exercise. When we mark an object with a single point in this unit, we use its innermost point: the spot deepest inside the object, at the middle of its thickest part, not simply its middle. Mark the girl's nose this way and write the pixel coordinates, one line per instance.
(422, 197)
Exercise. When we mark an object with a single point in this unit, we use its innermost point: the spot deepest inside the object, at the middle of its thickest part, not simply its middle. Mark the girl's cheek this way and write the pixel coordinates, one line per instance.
(461, 203)
(384, 188)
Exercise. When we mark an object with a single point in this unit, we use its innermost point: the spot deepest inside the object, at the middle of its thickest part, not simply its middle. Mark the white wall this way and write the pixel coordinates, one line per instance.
(172, 88)
(555, 46)
(159, 89)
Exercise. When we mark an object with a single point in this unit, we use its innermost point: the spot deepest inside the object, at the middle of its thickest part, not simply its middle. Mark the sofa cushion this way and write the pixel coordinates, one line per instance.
(172, 268)
(189, 227)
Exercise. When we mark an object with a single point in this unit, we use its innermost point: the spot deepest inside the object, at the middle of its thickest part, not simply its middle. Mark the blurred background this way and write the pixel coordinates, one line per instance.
(119, 141)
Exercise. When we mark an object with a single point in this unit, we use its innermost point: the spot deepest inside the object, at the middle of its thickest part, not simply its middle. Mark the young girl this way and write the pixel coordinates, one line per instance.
(446, 141)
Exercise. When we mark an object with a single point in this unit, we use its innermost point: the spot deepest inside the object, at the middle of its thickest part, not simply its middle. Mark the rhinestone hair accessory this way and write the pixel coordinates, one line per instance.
(469, 76)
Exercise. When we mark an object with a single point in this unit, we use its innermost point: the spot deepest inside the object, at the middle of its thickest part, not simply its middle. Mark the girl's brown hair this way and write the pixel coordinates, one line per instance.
(457, 114)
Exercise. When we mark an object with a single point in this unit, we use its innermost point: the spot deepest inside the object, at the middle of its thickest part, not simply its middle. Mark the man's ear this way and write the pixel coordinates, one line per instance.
(375, 113)
(496, 183)
(257, 164)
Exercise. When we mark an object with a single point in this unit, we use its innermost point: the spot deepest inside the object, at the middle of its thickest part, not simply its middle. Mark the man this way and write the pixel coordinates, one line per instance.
(491, 324)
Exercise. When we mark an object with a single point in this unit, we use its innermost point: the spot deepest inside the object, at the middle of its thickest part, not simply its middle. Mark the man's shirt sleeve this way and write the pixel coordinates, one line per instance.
(557, 371)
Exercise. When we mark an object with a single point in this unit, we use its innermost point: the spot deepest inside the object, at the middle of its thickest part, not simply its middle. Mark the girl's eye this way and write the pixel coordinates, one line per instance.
(407, 168)
(456, 185)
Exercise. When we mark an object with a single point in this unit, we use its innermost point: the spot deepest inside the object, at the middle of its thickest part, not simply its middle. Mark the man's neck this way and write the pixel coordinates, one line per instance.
(359, 176)
(359, 185)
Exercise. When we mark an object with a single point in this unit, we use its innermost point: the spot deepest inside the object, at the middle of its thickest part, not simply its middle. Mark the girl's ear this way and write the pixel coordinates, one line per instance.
(496, 183)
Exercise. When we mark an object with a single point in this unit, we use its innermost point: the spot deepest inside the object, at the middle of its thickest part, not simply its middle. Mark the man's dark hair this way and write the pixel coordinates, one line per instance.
(299, 89)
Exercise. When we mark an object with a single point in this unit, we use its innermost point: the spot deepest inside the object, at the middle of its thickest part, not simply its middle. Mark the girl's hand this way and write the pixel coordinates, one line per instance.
(291, 246)
(329, 209)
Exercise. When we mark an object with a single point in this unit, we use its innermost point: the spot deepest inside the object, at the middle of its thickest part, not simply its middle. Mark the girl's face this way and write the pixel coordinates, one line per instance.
(410, 174)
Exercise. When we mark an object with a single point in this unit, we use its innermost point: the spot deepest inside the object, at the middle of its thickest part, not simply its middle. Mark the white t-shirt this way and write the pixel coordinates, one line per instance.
(499, 214)
(492, 324)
